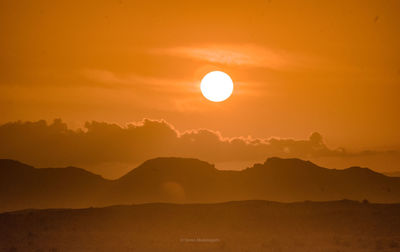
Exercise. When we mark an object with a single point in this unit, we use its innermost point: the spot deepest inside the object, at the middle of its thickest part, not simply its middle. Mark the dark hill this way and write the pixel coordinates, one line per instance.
(190, 181)
(295, 179)
(23, 186)
(169, 179)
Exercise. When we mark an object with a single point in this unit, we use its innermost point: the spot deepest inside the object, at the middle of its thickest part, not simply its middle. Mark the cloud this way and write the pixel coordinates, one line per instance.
(43, 144)
(166, 94)
(113, 79)
(241, 55)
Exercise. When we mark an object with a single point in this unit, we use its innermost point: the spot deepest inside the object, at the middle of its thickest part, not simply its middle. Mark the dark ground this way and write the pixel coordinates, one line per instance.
(232, 226)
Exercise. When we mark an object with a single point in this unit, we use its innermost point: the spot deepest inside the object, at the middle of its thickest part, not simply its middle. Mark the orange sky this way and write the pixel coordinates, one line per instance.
(298, 66)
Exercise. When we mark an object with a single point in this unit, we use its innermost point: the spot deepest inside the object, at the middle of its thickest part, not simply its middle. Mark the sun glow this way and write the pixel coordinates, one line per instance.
(216, 86)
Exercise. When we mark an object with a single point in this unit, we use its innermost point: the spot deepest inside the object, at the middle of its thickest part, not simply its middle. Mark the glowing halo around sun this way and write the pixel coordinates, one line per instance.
(216, 86)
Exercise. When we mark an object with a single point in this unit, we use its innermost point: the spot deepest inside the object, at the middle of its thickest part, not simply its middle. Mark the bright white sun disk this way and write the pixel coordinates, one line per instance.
(216, 86)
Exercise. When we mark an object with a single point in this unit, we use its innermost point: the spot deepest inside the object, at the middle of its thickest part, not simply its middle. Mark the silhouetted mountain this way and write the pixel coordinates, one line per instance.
(187, 181)
(169, 179)
(23, 186)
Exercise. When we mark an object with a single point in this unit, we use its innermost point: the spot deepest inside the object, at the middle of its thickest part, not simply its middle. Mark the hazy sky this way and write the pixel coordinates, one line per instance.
(298, 66)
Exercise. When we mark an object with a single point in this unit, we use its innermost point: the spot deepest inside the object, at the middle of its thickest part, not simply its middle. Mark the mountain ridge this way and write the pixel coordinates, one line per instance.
(271, 161)
(186, 180)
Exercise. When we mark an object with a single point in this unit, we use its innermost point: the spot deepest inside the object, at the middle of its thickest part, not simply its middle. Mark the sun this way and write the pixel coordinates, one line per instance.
(216, 86)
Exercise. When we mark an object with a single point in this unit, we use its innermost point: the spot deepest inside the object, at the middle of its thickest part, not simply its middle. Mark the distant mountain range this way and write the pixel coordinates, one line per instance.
(184, 180)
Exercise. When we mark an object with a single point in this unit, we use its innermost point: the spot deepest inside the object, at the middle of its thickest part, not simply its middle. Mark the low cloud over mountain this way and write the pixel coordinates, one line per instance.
(54, 144)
